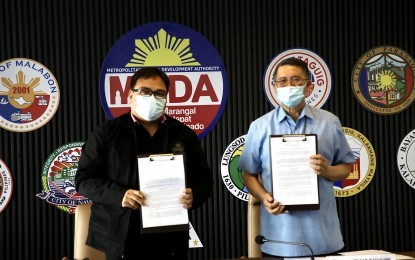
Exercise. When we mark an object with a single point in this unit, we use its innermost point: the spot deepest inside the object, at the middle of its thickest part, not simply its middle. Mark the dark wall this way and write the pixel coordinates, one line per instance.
(72, 37)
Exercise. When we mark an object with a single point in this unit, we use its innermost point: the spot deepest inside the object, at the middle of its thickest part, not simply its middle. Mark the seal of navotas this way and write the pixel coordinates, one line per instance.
(58, 178)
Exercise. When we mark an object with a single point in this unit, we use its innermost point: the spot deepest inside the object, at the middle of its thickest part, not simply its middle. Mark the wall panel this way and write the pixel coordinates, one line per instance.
(71, 38)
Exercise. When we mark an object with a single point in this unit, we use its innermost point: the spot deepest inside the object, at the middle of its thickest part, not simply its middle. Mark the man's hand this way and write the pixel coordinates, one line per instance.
(274, 207)
(186, 198)
(319, 164)
(133, 199)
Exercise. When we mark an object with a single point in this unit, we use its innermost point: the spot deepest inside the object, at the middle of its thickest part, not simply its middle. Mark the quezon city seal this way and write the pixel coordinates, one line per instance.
(383, 80)
(320, 77)
(406, 158)
(198, 81)
(363, 170)
(232, 176)
(6, 185)
(29, 95)
(58, 178)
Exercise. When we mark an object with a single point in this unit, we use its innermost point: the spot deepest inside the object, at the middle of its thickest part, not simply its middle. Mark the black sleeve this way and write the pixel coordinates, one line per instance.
(91, 179)
(200, 177)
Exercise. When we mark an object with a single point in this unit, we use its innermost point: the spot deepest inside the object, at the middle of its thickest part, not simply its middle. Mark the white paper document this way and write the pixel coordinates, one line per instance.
(162, 180)
(375, 254)
(294, 183)
(364, 255)
(359, 255)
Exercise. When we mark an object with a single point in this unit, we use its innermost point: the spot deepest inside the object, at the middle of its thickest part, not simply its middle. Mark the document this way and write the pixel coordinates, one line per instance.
(294, 183)
(364, 255)
(162, 180)
(374, 254)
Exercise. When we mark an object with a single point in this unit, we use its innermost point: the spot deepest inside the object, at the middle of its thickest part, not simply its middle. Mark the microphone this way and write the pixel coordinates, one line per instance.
(261, 240)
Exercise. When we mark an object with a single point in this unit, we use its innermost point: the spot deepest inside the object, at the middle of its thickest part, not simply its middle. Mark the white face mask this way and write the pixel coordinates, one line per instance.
(290, 96)
(149, 108)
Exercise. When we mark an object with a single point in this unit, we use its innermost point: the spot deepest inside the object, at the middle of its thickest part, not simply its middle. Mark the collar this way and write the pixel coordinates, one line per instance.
(282, 114)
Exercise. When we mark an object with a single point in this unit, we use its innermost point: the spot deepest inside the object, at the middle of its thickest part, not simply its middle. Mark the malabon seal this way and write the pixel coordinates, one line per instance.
(29, 95)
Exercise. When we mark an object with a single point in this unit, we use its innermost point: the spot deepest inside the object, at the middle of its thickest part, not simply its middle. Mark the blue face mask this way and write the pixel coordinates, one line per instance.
(290, 96)
(149, 108)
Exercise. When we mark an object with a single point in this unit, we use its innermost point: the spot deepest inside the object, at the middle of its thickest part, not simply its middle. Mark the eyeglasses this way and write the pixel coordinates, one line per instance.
(145, 92)
(295, 81)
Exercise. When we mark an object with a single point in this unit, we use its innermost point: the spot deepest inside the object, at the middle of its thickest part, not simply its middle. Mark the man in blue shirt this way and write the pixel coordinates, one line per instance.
(318, 228)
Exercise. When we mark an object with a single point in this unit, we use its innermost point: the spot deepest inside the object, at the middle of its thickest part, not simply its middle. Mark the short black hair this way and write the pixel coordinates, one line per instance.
(293, 62)
(149, 72)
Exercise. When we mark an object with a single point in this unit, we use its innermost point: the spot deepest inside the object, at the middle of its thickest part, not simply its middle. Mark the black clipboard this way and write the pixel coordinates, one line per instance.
(292, 180)
(162, 178)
